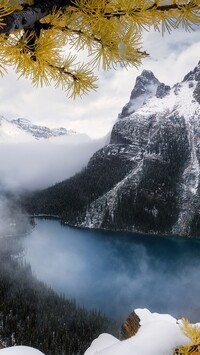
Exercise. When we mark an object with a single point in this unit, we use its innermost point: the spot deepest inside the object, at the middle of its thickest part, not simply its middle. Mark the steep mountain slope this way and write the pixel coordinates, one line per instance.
(147, 177)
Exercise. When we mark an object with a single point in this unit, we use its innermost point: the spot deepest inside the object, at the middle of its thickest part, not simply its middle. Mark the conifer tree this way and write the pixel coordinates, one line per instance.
(34, 35)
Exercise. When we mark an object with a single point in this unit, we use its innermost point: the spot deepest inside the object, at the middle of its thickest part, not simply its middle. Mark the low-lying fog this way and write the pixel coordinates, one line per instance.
(118, 272)
(39, 164)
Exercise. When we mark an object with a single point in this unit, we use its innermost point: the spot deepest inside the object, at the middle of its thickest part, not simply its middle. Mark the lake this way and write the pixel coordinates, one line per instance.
(117, 271)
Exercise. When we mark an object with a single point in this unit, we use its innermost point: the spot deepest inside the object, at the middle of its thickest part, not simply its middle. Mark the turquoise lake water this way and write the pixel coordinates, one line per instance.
(117, 271)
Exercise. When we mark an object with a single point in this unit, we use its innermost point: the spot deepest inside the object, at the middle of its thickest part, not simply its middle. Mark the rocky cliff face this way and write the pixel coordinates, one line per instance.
(157, 140)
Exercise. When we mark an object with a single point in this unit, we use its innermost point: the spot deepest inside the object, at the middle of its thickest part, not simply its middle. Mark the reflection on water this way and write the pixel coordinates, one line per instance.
(115, 271)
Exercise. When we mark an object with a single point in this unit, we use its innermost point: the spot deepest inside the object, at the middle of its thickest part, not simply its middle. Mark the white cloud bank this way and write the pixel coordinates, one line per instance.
(39, 164)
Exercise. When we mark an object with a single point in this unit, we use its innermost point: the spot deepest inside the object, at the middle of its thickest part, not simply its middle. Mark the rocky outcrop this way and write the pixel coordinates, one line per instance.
(130, 327)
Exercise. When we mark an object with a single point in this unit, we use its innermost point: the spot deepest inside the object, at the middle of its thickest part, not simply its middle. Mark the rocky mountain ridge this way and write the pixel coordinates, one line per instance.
(147, 178)
(24, 130)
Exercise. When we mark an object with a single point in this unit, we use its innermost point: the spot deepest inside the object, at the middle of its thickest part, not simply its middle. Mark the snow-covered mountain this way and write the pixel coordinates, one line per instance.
(40, 131)
(146, 86)
(147, 178)
(23, 130)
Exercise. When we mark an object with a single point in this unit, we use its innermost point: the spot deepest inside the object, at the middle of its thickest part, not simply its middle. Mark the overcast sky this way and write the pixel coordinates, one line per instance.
(170, 59)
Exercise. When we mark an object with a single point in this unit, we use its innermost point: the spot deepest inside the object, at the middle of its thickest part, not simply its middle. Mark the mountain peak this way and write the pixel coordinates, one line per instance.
(21, 121)
(145, 87)
(148, 74)
(193, 75)
(146, 78)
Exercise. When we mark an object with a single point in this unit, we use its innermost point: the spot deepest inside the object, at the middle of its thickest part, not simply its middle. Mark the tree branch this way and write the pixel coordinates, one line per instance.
(192, 349)
(26, 18)
(161, 8)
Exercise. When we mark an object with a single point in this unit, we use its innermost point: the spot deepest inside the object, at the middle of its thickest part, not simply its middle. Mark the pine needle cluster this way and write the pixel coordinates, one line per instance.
(110, 31)
(193, 333)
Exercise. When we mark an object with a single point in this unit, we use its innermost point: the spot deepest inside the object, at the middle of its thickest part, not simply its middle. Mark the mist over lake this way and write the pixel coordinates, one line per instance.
(117, 271)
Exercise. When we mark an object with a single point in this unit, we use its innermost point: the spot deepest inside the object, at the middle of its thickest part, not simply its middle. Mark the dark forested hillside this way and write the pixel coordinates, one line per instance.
(70, 198)
(32, 314)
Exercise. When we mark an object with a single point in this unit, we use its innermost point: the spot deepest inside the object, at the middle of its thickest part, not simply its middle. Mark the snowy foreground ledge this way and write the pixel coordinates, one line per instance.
(159, 334)
(20, 350)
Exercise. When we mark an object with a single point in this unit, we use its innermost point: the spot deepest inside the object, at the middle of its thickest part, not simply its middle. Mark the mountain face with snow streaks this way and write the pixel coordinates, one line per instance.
(147, 178)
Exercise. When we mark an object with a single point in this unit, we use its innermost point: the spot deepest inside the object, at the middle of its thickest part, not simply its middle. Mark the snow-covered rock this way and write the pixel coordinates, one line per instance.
(158, 335)
(20, 350)
(145, 87)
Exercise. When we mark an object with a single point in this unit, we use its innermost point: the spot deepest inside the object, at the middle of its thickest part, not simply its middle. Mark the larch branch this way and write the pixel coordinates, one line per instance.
(26, 18)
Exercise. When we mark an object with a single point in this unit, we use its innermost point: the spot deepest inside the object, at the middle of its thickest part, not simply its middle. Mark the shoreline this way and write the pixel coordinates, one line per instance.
(135, 232)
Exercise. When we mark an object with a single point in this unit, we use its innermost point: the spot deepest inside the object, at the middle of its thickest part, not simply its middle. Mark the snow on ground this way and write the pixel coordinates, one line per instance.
(20, 350)
(158, 335)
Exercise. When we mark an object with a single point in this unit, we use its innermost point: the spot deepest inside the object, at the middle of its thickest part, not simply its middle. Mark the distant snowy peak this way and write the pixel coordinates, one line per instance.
(22, 130)
(146, 86)
(40, 131)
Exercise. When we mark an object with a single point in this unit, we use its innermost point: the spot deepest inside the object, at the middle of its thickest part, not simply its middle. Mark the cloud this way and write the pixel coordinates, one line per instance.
(14, 222)
(41, 163)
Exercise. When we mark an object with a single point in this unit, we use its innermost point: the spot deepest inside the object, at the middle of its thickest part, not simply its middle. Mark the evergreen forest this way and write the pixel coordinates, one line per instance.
(32, 314)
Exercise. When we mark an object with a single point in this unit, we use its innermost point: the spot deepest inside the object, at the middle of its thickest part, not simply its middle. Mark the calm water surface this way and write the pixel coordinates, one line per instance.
(116, 271)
